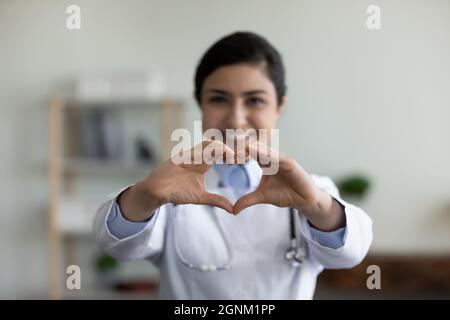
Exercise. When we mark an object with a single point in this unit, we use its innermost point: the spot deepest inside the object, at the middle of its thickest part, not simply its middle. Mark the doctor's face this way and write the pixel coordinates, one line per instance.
(239, 96)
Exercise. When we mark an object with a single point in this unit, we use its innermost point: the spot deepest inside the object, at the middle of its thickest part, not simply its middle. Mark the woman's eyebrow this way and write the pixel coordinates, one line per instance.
(219, 91)
(252, 92)
(245, 93)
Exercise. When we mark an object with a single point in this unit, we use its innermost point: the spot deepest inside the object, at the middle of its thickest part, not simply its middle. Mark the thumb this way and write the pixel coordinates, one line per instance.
(216, 200)
(248, 200)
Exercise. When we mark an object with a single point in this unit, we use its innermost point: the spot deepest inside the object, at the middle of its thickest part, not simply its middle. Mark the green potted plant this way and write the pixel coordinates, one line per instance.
(354, 186)
(107, 268)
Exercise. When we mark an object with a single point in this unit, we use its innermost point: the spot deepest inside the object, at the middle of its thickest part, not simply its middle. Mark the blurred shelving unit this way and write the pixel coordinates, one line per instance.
(70, 212)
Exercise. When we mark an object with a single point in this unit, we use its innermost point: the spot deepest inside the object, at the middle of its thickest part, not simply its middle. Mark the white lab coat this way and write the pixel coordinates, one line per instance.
(252, 243)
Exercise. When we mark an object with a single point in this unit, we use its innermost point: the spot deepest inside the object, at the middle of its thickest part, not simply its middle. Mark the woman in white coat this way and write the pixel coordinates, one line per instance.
(226, 231)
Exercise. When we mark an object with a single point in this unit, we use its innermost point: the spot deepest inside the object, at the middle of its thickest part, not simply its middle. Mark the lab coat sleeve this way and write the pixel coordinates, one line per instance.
(356, 240)
(122, 228)
(333, 239)
(148, 242)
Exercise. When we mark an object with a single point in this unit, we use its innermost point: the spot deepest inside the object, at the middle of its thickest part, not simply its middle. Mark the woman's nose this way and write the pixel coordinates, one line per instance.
(236, 117)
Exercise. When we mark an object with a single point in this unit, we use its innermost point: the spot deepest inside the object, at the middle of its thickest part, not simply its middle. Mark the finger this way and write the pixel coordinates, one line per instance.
(197, 151)
(206, 152)
(242, 152)
(238, 141)
(262, 153)
(248, 200)
(267, 158)
(216, 151)
(187, 157)
(217, 200)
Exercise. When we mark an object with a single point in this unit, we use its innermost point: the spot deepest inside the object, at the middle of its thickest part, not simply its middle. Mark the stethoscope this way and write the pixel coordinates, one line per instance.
(295, 254)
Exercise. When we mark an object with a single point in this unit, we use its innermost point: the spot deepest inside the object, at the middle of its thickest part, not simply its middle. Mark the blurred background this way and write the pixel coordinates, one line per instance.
(86, 112)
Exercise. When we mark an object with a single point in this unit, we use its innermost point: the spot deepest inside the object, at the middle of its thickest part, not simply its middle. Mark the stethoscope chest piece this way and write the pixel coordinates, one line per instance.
(296, 256)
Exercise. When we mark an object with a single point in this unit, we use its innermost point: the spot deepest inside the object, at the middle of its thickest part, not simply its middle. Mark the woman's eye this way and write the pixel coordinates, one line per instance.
(255, 102)
(217, 100)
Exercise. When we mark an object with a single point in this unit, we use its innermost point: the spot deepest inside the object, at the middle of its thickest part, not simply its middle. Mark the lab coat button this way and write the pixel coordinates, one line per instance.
(212, 268)
(204, 267)
(208, 267)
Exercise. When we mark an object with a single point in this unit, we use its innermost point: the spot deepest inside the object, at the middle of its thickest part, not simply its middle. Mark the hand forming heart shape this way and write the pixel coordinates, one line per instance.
(291, 186)
(183, 183)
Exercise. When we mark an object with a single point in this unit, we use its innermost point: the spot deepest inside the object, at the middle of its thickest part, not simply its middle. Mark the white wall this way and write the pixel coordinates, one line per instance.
(372, 101)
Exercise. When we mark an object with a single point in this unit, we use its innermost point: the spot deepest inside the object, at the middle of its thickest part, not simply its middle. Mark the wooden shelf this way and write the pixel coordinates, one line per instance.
(70, 214)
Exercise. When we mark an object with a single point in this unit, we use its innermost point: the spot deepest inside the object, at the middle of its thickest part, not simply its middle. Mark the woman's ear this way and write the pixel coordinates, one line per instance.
(280, 108)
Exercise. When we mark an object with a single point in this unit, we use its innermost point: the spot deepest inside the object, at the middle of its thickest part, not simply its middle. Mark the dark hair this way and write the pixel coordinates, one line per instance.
(242, 47)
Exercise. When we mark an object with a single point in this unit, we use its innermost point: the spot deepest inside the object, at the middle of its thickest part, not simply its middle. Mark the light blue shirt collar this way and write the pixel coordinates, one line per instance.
(240, 177)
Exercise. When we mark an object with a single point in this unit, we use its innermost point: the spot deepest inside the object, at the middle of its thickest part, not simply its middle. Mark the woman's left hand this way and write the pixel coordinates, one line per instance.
(291, 186)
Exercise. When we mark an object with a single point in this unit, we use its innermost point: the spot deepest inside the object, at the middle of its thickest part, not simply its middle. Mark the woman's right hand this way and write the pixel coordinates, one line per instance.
(176, 183)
